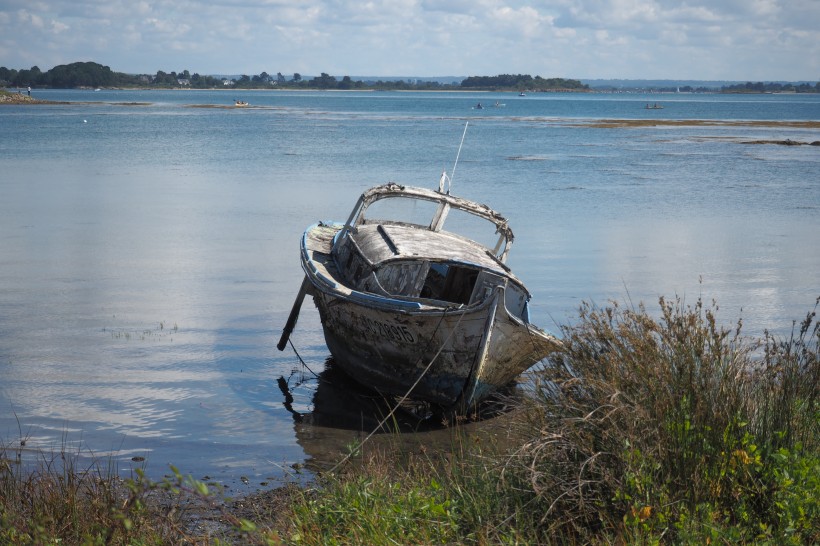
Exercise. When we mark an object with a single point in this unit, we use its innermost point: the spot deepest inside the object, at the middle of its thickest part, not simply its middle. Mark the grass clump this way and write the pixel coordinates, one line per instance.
(59, 503)
(676, 430)
(415, 498)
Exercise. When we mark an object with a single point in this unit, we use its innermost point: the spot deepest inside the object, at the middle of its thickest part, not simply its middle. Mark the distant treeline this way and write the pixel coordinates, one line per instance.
(522, 82)
(66, 76)
(655, 89)
(771, 87)
(90, 74)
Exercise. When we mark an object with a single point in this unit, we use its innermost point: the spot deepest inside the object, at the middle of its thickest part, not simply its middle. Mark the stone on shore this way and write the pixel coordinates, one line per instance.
(9, 97)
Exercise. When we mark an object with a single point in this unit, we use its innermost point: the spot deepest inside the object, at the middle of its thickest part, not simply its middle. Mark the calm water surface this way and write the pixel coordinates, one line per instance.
(149, 248)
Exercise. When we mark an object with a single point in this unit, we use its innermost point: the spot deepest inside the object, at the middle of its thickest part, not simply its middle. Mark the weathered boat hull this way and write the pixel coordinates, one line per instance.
(410, 307)
(446, 355)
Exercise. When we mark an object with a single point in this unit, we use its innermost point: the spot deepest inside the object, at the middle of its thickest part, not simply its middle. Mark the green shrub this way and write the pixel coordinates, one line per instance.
(674, 429)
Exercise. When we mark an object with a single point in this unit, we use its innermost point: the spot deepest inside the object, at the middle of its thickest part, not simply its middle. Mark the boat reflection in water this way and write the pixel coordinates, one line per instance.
(344, 412)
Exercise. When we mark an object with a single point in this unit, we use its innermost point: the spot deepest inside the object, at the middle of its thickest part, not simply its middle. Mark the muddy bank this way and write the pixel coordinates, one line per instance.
(621, 123)
(787, 142)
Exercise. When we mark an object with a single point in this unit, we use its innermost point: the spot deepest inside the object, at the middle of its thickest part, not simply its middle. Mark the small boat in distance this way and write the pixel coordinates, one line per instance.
(240, 103)
(522, 94)
(656, 106)
(415, 303)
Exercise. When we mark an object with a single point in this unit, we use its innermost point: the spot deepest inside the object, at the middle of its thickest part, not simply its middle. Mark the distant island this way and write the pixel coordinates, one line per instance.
(94, 75)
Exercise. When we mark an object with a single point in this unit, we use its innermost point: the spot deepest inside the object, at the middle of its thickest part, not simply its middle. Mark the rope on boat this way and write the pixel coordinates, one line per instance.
(410, 390)
(453, 173)
(304, 364)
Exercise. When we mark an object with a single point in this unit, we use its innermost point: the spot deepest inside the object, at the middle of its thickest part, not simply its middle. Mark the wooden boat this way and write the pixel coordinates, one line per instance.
(411, 306)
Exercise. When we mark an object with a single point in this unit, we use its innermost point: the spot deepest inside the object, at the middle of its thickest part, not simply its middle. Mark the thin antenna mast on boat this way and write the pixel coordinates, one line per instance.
(449, 179)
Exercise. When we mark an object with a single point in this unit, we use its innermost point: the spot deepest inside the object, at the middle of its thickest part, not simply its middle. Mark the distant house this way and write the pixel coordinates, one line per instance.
(227, 82)
(183, 81)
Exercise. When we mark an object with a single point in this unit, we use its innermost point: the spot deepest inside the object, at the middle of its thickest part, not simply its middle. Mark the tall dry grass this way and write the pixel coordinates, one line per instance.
(660, 427)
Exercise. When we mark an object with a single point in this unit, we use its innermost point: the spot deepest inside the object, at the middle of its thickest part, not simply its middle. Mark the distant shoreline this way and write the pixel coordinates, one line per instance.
(593, 91)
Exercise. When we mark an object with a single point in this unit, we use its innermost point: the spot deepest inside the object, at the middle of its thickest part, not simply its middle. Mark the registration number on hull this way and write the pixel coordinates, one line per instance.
(391, 331)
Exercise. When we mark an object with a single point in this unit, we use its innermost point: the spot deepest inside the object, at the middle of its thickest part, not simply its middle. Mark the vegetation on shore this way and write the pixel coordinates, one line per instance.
(7, 97)
(89, 74)
(522, 82)
(643, 430)
(771, 87)
(94, 75)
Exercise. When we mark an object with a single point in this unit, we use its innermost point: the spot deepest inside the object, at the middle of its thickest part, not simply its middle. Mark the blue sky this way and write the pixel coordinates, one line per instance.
(757, 40)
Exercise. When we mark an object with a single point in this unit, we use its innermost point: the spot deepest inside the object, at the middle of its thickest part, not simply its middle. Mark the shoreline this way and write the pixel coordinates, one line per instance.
(276, 89)
(19, 98)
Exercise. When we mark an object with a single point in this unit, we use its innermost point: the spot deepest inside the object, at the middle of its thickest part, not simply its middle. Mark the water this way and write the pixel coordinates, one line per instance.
(149, 252)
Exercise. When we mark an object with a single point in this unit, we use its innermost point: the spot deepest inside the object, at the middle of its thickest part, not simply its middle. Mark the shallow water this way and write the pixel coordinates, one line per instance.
(149, 252)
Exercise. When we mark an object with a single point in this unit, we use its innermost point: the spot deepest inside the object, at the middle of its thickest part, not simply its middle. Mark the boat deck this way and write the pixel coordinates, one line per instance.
(383, 242)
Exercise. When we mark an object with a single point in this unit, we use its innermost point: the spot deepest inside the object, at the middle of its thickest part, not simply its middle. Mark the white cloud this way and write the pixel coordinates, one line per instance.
(58, 27)
(697, 39)
(26, 18)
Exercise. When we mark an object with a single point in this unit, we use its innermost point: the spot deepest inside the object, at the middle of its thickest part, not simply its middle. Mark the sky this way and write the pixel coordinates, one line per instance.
(725, 40)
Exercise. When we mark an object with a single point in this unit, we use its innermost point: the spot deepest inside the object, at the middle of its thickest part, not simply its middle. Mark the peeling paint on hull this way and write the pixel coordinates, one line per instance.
(391, 364)
(451, 340)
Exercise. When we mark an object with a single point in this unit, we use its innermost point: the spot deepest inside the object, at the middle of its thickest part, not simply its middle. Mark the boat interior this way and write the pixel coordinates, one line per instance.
(451, 272)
